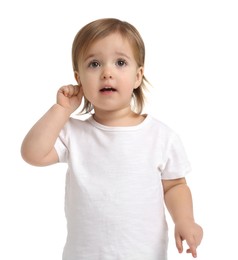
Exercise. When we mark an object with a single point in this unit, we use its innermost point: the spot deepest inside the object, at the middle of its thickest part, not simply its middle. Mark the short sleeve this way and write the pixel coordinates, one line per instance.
(61, 148)
(176, 163)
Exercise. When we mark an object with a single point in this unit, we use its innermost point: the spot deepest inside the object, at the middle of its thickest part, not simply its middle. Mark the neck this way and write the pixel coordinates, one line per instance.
(124, 117)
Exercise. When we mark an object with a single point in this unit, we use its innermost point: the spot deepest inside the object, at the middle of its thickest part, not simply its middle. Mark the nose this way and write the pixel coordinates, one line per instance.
(106, 73)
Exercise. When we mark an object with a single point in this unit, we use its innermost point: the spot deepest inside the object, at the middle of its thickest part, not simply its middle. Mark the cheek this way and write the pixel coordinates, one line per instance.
(88, 91)
(88, 80)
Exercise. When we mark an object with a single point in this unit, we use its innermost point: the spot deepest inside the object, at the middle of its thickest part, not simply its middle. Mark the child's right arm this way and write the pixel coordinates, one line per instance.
(38, 145)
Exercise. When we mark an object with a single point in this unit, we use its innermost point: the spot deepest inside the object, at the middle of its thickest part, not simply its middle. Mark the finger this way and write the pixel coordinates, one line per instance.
(192, 247)
(65, 90)
(71, 90)
(179, 243)
(192, 251)
(77, 89)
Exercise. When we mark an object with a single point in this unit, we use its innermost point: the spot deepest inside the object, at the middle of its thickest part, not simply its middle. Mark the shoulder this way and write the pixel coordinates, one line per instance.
(75, 122)
(74, 126)
(163, 134)
(160, 127)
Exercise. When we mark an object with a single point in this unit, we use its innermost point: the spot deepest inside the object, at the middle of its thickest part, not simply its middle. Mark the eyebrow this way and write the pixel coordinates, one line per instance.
(121, 54)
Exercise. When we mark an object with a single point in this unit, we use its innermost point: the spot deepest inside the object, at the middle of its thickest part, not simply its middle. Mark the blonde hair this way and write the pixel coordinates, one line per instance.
(99, 29)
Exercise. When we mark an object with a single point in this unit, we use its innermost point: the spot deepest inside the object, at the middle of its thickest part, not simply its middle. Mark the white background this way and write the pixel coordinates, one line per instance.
(192, 63)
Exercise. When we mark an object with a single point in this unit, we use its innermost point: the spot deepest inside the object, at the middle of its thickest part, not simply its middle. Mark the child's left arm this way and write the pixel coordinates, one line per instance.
(178, 200)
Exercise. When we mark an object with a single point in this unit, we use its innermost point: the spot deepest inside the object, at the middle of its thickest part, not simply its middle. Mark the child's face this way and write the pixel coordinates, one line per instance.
(109, 73)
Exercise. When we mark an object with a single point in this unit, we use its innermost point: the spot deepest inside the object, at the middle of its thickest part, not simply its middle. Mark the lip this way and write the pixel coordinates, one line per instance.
(107, 90)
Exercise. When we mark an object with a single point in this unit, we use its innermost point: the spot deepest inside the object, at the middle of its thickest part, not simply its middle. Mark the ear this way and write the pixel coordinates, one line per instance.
(76, 76)
(139, 77)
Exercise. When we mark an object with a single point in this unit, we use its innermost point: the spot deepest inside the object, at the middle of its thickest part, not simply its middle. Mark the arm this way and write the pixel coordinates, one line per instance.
(178, 200)
(38, 145)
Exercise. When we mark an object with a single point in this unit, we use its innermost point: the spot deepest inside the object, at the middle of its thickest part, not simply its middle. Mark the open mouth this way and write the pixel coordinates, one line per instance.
(108, 89)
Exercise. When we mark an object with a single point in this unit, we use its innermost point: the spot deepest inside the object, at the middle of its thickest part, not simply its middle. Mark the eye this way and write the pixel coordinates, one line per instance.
(121, 62)
(94, 64)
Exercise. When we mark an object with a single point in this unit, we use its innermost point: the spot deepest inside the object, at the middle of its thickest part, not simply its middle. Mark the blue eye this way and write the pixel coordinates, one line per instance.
(121, 63)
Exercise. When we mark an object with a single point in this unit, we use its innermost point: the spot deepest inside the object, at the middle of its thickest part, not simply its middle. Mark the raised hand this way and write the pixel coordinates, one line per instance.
(70, 97)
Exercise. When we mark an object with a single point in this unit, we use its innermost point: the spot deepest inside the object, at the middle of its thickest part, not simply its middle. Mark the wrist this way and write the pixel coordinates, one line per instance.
(184, 220)
(63, 110)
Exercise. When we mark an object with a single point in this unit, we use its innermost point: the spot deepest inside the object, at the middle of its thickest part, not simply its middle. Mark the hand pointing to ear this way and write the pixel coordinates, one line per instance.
(70, 97)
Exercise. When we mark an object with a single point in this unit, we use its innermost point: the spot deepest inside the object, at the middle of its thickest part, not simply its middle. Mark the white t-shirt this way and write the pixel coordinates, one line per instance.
(114, 197)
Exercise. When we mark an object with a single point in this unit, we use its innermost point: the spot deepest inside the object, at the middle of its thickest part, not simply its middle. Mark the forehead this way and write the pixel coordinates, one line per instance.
(113, 42)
